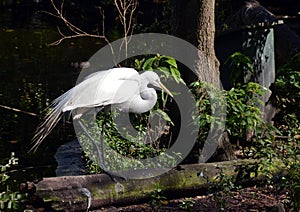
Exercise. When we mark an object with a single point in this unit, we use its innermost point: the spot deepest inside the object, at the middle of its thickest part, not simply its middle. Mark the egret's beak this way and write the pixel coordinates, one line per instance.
(165, 89)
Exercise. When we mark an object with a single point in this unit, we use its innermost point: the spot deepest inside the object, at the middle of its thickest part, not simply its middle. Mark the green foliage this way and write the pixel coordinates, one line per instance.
(264, 136)
(243, 112)
(157, 199)
(9, 199)
(187, 204)
(292, 182)
(287, 149)
(241, 68)
(166, 65)
(282, 150)
(244, 120)
(124, 148)
(220, 187)
(285, 146)
(243, 103)
(270, 143)
(286, 89)
(13, 161)
(267, 143)
(202, 92)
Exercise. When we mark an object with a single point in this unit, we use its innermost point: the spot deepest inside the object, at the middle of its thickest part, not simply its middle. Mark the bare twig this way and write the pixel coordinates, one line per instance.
(103, 33)
(126, 9)
(77, 32)
(18, 110)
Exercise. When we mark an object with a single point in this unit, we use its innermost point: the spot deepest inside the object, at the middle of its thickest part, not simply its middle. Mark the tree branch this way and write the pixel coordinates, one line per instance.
(77, 32)
(125, 8)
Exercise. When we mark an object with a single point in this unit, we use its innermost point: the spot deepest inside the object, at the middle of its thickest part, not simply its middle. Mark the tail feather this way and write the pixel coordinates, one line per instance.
(50, 120)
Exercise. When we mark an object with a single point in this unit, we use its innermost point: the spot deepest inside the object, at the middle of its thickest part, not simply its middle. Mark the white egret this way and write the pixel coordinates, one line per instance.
(123, 88)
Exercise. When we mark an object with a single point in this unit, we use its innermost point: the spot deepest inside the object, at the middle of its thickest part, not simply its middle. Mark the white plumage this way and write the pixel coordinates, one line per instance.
(123, 88)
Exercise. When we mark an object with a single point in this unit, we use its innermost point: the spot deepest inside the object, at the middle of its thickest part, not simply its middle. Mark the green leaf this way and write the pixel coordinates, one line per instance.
(148, 64)
(3, 168)
(176, 75)
(2, 205)
(170, 60)
(4, 177)
(164, 115)
(164, 70)
(138, 63)
(10, 205)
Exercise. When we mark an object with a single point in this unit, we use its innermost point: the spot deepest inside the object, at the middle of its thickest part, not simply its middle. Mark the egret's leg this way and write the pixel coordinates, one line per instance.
(89, 115)
(99, 151)
(92, 140)
(103, 150)
(102, 139)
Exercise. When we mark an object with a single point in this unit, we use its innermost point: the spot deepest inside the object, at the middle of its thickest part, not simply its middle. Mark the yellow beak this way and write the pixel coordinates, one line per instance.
(165, 89)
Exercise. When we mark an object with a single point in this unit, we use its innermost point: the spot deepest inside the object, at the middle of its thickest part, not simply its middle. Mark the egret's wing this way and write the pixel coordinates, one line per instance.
(98, 89)
(104, 88)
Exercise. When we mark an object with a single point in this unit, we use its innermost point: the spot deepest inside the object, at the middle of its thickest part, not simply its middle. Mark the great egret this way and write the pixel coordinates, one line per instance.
(123, 88)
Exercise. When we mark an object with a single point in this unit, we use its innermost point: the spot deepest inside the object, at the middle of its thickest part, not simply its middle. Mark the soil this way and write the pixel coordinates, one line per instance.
(250, 199)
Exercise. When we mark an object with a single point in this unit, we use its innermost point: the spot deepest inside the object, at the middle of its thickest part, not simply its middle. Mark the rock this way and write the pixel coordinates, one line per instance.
(69, 159)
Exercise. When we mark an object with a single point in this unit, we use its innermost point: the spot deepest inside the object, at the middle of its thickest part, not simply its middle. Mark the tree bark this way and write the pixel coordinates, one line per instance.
(194, 21)
(207, 67)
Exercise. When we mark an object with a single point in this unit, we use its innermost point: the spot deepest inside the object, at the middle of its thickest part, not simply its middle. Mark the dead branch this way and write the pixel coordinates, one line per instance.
(77, 32)
(125, 8)
(18, 110)
(126, 11)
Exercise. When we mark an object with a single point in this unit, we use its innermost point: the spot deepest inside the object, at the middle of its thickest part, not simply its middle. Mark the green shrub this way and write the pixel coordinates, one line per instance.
(243, 111)
(286, 90)
(10, 198)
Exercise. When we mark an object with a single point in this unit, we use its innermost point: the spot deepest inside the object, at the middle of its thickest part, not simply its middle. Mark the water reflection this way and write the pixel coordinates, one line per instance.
(32, 74)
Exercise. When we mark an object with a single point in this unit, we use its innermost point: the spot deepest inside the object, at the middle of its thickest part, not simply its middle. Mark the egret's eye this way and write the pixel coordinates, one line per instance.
(151, 86)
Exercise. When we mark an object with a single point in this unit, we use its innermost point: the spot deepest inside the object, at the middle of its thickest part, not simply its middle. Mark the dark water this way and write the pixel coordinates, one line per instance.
(32, 74)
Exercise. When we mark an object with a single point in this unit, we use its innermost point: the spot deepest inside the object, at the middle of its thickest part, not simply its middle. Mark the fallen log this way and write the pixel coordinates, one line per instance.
(77, 193)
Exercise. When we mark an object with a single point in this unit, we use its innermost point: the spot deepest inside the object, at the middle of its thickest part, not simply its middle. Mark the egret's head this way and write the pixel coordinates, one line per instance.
(150, 77)
(153, 79)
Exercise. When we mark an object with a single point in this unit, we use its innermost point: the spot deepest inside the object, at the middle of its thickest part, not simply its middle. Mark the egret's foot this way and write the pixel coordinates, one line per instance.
(113, 178)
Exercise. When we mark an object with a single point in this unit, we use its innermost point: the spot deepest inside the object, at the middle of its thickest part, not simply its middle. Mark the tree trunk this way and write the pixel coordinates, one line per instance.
(207, 67)
(194, 21)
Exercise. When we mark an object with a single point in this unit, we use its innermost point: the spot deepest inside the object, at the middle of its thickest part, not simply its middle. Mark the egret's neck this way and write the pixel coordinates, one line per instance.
(143, 102)
(144, 87)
